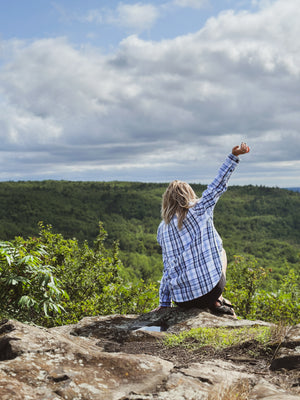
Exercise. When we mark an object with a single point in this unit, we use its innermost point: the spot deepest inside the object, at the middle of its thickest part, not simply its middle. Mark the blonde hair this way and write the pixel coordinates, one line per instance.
(177, 199)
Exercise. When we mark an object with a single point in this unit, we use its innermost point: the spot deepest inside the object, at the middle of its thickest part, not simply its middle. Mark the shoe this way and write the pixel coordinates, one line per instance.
(223, 306)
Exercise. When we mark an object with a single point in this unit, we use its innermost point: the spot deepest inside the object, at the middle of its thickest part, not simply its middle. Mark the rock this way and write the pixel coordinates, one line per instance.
(288, 355)
(40, 364)
(121, 357)
(264, 389)
(279, 396)
(172, 320)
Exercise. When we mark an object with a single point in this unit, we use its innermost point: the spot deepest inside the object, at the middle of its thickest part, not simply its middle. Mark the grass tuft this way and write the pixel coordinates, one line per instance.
(239, 390)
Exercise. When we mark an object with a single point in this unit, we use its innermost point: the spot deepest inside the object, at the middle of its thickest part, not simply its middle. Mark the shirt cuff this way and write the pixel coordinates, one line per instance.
(234, 158)
(164, 304)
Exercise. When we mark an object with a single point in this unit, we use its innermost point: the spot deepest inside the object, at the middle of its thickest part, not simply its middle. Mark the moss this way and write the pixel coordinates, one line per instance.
(220, 337)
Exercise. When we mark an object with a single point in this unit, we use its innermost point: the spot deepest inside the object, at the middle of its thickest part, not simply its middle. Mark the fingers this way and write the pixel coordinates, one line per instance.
(244, 148)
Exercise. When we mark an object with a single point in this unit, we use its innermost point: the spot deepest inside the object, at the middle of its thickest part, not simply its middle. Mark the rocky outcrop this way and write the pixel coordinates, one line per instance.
(123, 357)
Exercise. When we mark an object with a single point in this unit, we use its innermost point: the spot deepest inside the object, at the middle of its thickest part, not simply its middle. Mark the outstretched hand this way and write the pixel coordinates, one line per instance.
(242, 149)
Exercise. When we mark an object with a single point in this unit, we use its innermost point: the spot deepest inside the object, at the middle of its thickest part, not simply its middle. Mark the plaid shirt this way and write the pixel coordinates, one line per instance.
(192, 255)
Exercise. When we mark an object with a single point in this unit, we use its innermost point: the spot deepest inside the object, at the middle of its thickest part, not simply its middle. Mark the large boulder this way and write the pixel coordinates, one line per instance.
(123, 357)
(42, 364)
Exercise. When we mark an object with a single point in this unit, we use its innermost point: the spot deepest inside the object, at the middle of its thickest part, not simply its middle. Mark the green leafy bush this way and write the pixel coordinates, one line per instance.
(244, 278)
(29, 289)
(280, 303)
(92, 277)
(51, 280)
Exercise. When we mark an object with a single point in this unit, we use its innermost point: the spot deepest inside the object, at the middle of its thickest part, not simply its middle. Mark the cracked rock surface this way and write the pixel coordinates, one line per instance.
(123, 357)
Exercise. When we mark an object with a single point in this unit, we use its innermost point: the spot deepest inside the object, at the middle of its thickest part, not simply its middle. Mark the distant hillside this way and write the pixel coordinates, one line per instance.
(294, 189)
(256, 220)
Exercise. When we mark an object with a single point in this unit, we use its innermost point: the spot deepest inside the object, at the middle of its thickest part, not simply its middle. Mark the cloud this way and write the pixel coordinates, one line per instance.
(191, 3)
(157, 110)
(262, 3)
(93, 16)
(134, 18)
(138, 17)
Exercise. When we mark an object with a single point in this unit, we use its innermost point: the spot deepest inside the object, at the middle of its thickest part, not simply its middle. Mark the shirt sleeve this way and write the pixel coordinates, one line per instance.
(158, 236)
(164, 292)
(218, 186)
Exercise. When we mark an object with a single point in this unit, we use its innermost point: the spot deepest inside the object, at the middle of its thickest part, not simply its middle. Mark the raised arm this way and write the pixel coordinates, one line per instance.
(219, 185)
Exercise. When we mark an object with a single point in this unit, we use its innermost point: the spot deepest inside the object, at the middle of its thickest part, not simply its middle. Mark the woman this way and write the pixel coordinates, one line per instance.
(193, 257)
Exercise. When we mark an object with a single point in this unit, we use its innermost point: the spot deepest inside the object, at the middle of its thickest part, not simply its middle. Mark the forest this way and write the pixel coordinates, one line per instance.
(260, 221)
(72, 249)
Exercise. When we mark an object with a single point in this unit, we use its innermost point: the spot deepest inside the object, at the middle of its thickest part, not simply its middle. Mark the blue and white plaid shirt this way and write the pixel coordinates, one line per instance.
(192, 255)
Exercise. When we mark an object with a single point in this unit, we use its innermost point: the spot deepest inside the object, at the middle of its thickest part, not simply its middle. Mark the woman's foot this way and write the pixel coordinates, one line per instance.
(223, 306)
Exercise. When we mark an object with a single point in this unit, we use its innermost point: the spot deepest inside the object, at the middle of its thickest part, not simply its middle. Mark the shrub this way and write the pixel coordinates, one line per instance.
(51, 280)
(129, 297)
(280, 303)
(29, 289)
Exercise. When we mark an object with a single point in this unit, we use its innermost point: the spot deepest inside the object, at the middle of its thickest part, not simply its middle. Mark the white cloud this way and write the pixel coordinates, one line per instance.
(134, 18)
(191, 3)
(93, 16)
(262, 3)
(154, 110)
(137, 17)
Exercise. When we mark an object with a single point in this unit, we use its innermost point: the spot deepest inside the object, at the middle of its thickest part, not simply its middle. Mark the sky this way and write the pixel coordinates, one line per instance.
(149, 90)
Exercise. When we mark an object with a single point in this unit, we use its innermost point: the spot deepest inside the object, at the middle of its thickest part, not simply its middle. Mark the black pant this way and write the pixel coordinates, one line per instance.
(208, 299)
